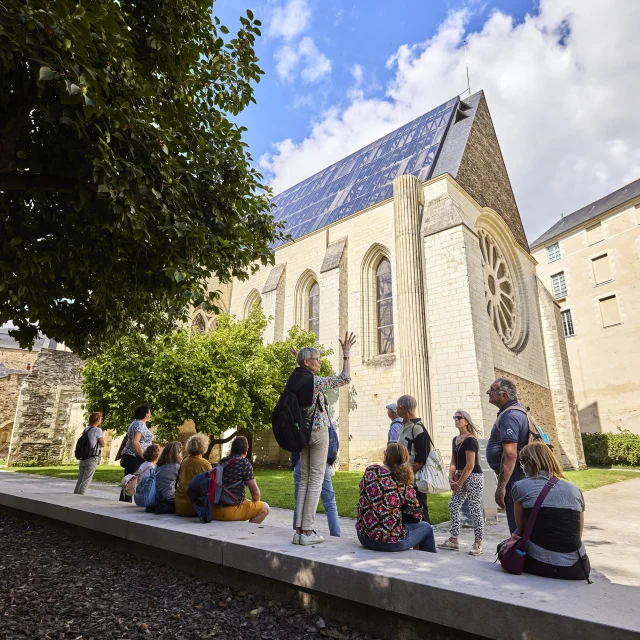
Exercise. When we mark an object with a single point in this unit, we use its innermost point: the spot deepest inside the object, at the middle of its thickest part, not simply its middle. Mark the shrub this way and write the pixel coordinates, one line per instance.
(603, 449)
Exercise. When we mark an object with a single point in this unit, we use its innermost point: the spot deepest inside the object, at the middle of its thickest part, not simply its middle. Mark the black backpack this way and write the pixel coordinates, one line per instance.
(290, 429)
(84, 450)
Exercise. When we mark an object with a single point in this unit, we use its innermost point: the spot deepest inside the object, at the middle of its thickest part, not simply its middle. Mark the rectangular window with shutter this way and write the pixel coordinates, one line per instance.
(559, 285)
(595, 234)
(553, 252)
(609, 311)
(567, 323)
(602, 269)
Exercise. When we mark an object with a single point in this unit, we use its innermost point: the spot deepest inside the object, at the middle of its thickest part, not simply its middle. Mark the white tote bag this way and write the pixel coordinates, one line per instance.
(434, 476)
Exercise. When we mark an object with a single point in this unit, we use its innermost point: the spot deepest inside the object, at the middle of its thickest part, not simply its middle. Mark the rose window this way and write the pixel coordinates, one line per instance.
(498, 288)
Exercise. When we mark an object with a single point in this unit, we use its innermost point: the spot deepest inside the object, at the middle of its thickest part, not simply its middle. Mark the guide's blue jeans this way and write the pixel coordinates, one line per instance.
(327, 496)
(419, 533)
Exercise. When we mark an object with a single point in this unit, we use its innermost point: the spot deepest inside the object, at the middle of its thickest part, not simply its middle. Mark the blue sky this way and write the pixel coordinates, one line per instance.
(341, 74)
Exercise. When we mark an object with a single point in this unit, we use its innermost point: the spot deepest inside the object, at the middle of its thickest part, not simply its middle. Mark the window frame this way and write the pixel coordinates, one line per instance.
(311, 320)
(558, 256)
(600, 256)
(602, 299)
(566, 313)
(388, 302)
(560, 295)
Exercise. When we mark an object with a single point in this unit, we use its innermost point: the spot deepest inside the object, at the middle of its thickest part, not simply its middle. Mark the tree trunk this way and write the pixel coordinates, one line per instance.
(214, 441)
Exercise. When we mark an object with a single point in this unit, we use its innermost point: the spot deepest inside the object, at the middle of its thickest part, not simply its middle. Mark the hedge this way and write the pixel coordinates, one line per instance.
(604, 449)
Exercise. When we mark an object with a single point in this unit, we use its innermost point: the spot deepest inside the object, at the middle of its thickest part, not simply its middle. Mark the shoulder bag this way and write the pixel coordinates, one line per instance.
(434, 476)
(513, 551)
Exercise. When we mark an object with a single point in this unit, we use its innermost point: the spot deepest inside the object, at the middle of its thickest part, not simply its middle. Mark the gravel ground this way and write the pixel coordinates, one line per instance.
(58, 586)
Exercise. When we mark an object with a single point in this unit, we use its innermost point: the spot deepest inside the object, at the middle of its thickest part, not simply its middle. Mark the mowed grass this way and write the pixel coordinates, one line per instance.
(276, 485)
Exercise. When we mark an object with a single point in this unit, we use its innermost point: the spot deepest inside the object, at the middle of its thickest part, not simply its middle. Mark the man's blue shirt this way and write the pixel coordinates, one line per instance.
(514, 427)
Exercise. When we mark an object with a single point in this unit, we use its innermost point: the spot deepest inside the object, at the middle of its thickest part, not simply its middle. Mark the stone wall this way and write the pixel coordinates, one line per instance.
(484, 175)
(9, 393)
(538, 399)
(17, 358)
(42, 418)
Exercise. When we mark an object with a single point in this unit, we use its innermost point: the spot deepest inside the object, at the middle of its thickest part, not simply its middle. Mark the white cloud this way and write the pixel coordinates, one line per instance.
(305, 59)
(289, 20)
(562, 91)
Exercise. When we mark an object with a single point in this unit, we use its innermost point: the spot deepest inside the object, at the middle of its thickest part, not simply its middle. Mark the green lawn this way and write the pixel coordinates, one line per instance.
(276, 485)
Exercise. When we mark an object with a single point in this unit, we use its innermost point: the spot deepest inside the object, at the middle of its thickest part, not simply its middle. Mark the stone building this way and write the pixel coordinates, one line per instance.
(589, 261)
(415, 243)
(40, 397)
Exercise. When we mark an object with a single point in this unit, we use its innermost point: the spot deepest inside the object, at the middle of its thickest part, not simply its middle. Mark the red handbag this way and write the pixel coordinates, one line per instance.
(513, 551)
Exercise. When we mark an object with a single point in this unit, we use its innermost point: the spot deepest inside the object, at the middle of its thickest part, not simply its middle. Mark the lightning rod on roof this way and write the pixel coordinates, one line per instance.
(467, 65)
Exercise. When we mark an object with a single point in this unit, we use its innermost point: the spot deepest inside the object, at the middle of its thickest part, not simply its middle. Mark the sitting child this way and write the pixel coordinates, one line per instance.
(150, 455)
(166, 476)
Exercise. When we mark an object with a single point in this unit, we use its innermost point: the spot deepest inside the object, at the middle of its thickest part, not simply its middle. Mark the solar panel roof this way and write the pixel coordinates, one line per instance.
(365, 177)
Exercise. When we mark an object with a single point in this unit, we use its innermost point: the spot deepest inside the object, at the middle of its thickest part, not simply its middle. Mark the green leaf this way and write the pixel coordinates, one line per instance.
(250, 14)
(22, 154)
(47, 73)
(224, 29)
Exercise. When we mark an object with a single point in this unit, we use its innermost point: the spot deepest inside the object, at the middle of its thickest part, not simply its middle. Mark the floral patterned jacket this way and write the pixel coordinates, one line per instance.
(383, 502)
(320, 385)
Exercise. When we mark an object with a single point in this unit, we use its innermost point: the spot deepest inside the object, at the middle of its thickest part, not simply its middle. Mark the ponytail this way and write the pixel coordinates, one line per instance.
(396, 459)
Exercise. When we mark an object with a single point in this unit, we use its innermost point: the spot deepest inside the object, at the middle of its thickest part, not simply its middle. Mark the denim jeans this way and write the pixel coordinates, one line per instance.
(517, 475)
(419, 533)
(328, 497)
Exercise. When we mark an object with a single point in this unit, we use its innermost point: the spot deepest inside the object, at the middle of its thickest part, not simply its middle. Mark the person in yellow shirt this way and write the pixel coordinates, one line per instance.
(191, 466)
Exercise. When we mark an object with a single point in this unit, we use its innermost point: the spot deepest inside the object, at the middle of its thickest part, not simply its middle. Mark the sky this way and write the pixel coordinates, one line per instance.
(560, 77)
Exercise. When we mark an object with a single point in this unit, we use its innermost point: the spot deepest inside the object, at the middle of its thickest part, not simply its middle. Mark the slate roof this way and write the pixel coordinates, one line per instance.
(365, 177)
(593, 210)
(7, 342)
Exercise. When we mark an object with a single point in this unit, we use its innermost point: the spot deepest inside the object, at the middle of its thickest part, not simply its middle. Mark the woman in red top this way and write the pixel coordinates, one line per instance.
(387, 502)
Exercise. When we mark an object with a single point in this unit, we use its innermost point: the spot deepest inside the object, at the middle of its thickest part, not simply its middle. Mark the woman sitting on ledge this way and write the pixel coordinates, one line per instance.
(191, 466)
(555, 549)
(387, 499)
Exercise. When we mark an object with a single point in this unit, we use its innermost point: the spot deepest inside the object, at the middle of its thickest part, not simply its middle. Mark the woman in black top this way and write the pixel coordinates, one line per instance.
(467, 481)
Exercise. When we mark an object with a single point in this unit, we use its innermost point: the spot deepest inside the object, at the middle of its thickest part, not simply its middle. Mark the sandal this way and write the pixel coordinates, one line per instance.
(449, 544)
(476, 549)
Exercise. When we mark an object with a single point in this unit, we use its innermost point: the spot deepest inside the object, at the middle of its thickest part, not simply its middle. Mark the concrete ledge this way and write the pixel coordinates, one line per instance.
(423, 587)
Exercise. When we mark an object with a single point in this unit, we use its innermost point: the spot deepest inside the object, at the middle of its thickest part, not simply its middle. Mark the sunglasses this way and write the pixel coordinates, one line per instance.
(458, 417)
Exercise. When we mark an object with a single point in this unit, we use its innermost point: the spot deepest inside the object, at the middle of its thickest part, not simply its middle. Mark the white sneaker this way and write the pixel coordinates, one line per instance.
(296, 538)
(312, 538)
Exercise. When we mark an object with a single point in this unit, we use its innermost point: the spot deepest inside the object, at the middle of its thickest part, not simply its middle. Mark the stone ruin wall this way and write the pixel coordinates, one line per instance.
(41, 431)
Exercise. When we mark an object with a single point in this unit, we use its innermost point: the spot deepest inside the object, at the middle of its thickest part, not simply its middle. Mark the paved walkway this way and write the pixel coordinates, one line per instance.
(611, 534)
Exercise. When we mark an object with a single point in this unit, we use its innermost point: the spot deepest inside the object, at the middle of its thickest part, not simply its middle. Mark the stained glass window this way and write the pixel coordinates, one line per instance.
(314, 309)
(365, 177)
(384, 303)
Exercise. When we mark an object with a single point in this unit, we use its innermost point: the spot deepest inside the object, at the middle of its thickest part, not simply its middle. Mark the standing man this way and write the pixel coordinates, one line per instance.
(87, 467)
(414, 436)
(510, 433)
(396, 423)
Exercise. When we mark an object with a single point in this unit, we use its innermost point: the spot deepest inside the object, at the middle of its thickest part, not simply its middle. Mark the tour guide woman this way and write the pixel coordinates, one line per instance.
(309, 389)
(138, 438)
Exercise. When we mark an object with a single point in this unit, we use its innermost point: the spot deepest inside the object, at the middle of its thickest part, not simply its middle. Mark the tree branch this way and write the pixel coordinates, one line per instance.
(214, 441)
(16, 181)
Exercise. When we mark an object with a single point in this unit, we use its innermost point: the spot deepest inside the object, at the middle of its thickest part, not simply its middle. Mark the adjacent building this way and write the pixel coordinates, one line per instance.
(590, 262)
(415, 243)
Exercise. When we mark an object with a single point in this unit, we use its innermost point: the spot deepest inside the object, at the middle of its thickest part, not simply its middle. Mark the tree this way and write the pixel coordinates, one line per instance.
(125, 186)
(225, 380)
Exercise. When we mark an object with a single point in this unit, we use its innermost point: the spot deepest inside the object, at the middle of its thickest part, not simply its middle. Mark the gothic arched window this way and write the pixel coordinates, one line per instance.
(199, 324)
(384, 307)
(313, 323)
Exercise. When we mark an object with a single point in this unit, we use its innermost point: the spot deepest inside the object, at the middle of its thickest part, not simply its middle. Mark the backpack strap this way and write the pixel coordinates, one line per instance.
(536, 508)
